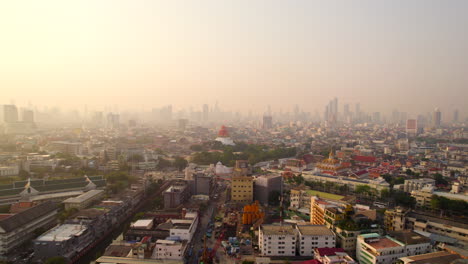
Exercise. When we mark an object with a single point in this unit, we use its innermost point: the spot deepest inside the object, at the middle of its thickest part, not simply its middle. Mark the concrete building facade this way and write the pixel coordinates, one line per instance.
(242, 189)
(311, 237)
(274, 240)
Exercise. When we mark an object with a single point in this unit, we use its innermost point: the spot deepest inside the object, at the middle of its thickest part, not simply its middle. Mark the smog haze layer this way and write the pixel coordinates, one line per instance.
(408, 55)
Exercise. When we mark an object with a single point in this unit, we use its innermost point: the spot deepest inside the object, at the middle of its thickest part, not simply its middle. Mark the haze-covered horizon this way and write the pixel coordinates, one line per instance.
(245, 55)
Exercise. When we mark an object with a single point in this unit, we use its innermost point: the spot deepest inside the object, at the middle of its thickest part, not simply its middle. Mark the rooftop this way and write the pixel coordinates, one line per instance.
(276, 230)
(63, 232)
(441, 257)
(83, 197)
(142, 223)
(110, 259)
(314, 230)
(409, 237)
(328, 251)
(27, 216)
(383, 242)
(117, 250)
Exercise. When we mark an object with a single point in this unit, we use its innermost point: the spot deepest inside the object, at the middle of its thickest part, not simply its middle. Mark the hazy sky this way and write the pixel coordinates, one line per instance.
(244, 53)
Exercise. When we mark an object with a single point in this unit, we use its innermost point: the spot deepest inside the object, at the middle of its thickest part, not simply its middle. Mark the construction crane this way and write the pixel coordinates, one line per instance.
(206, 256)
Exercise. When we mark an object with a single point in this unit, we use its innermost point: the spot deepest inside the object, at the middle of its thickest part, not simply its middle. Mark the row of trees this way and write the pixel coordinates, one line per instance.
(179, 163)
(252, 153)
(449, 207)
(328, 187)
(118, 181)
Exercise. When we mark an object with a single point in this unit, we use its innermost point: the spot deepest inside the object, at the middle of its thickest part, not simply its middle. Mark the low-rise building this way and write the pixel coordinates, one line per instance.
(9, 170)
(395, 219)
(266, 184)
(242, 189)
(84, 200)
(417, 184)
(314, 236)
(373, 248)
(320, 208)
(440, 257)
(133, 253)
(333, 256)
(169, 249)
(424, 196)
(455, 228)
(346, 239)
(72, 148)
(277, 240)
(176, 194)
(184, 228)
(16, 229)
(64, 240)
(203, 184)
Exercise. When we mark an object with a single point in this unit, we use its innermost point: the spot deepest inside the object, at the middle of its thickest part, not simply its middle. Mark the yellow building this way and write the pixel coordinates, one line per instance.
(242, 189)
(327, 211)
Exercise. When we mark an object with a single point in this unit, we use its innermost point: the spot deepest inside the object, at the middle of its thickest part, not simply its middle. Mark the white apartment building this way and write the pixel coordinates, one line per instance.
(312, 237)
(417, 184)
(9, 170)
(373, 248)
(275, 240)
(184, 228)
(169, 249)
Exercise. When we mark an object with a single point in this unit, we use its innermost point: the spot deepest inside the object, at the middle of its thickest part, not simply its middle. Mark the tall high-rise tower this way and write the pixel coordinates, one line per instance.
(267, 122)
(455, 116)
(436, 118)
(8, 114)
(205, 112)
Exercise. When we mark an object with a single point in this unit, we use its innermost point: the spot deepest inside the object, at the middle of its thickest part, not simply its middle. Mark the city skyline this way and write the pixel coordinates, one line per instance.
(246, 55)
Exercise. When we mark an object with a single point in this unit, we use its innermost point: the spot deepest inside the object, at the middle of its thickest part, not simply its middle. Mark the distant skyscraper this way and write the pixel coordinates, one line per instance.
(455, 116)
(436, 118)
(183, 124)
(357, 114)
(411, 127)
(346, 109)
(27, 116)
(97, 119)
(8, 114)
(376, 117)
(205, 112)
(326, 113)
(165, 113)
(335, 107)
(113, 121)
(267, 122)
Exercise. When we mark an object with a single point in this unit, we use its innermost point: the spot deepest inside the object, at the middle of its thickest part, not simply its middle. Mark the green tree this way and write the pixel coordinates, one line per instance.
(24, 174)
(138, 216)
(39, 231)
(180, 163)
(439, 179)
(435, 203)
(135, 158)
(404, 199)
(385, 193)
(363, 189)
(56, 260)
(162, 164)
(196, 148)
